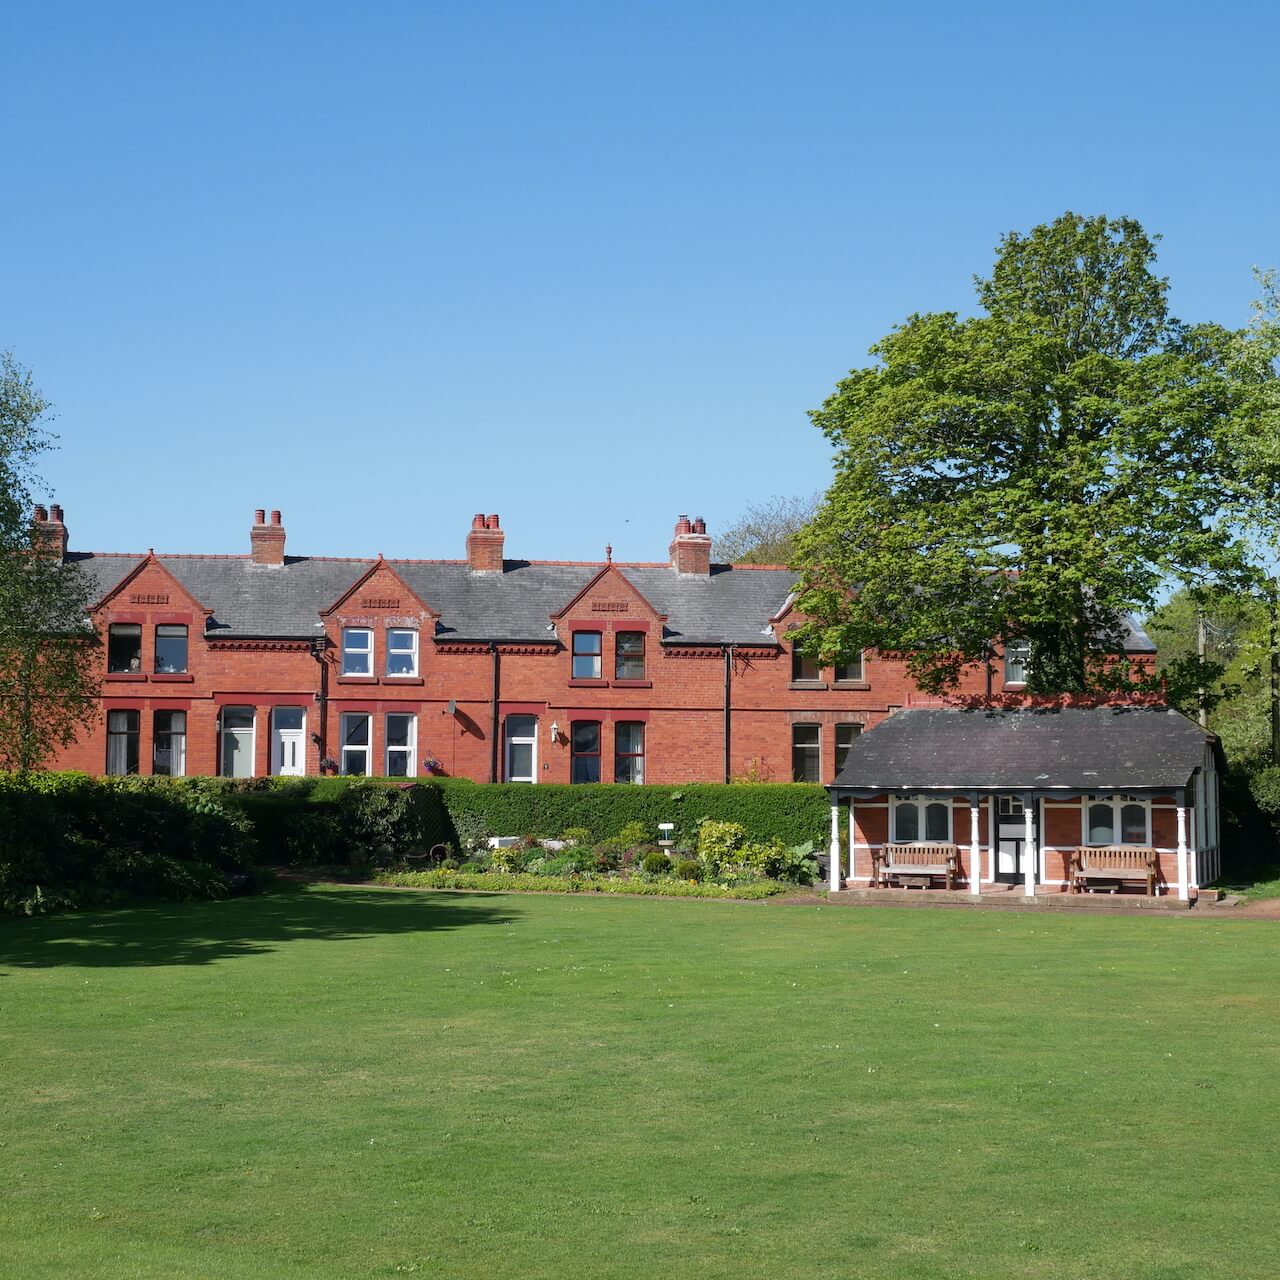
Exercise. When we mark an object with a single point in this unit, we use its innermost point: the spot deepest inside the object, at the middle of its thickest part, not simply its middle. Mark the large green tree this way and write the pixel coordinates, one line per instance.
(48, 664)
(1035, 471)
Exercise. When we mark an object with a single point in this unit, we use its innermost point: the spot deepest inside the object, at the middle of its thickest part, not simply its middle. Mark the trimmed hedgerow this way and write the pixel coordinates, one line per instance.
(793, 812)
(505, 882)
(68, 840)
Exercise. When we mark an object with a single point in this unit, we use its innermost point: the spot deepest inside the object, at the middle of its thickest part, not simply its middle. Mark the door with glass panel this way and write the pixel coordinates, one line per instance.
(402, 744)
(522, 749)
(1011, 839)
(288, 741)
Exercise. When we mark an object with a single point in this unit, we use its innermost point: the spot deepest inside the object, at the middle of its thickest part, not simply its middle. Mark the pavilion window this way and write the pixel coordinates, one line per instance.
(916, 814)
(1119, 819)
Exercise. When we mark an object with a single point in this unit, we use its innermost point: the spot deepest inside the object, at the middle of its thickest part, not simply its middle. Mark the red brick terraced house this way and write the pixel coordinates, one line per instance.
(484, 667)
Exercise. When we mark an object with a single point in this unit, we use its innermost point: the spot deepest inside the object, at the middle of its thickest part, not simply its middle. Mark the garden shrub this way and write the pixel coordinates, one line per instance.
(576, 835)
(656, 863)
(720, 842)
(688, 869)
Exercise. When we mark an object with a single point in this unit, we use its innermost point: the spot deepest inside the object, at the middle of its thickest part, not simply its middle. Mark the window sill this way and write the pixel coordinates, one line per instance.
(173, 677)
(588, 684)
(402, 680)
(633, 684)
(808, 684)
(135, 677)
(851, 684)
(1017, 686)
(357, 679)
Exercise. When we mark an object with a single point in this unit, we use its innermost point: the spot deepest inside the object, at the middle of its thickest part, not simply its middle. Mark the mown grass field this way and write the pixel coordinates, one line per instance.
(347, 1082)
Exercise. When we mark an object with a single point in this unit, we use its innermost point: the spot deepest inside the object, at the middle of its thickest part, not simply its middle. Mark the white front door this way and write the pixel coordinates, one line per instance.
(522, 749)
(288, 741)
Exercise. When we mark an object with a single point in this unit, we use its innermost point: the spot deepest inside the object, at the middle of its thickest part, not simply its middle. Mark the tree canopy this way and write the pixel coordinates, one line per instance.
(47, 653)
(1034, 472)
(766, 531)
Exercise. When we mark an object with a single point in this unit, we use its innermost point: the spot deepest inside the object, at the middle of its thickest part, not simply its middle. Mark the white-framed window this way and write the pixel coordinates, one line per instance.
(402, 745)
(402, 651)
(921, 818)
(806, 753)
(628, 751)
(1010, 806)
(169, 743)
(237, 746)
(1017, 661)
(522, 749)
(1117, 819)
(357, 651)
(357, 741)
(850, 672)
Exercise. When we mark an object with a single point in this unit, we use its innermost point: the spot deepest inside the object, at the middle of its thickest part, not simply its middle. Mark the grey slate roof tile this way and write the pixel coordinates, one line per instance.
(1086, 749)
(730, 606)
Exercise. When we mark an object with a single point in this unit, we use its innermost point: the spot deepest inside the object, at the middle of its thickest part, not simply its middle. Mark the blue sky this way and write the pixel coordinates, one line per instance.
(585, 265)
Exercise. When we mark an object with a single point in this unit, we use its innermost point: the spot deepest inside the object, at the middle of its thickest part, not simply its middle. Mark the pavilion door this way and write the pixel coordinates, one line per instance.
(1011, 839)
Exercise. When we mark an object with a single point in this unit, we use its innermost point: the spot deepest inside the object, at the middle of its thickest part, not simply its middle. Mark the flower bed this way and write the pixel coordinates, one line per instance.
(523, 882)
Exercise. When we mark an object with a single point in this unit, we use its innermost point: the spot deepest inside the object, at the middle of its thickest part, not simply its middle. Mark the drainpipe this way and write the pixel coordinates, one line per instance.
(728, 701)
(318, 647)
(493, 729)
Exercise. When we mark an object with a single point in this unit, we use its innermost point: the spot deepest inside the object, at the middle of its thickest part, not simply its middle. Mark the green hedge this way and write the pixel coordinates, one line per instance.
(794, 812)
(68, 840)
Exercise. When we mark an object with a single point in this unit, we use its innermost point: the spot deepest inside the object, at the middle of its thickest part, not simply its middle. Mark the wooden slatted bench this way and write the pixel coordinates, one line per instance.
(915, 864)
(1114, 865)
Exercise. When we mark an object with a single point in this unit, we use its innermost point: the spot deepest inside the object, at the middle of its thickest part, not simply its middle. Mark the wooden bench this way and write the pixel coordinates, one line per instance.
(1113, 865)
(915, 864)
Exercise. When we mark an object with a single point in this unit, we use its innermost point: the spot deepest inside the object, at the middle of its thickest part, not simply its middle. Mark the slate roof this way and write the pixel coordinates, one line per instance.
(1074, 748)
(730, 606)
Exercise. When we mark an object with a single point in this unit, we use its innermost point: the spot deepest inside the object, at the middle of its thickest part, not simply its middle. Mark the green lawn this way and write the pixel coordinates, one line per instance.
(352, 1082)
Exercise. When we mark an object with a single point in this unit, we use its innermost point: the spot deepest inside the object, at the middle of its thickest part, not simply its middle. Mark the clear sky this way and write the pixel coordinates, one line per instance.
(586, 265)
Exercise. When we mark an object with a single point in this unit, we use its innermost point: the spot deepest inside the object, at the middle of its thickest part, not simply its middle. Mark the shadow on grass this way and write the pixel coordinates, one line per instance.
(202, 932)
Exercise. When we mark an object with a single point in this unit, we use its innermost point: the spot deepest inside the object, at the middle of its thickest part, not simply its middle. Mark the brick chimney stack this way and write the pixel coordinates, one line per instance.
(48, 531)
(691, 547)
(484, 545)
(266, 541)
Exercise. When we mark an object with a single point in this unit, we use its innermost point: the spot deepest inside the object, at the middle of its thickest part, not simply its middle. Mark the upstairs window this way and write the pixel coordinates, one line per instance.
(803, 668)
(122, 741)
(402, 652)
(1017, 661)
(628, 663)
(169, 744)
(850, 672)
(586, 656)
(357, 651)
(124, 647)
(584, 750)
(171, 649)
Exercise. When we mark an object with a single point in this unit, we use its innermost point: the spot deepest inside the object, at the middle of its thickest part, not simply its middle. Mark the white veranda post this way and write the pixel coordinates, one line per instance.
(1029, 853)
(975, 864)
(835, 846)
(853, 845)
(1183, 890)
